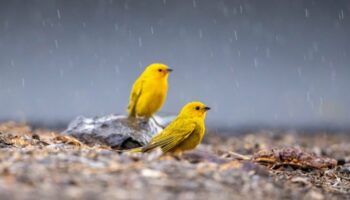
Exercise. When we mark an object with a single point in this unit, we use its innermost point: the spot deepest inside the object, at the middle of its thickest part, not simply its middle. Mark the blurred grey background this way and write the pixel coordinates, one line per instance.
(270, 63)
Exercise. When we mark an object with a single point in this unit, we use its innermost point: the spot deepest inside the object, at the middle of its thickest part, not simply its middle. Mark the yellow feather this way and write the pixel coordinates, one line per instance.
(149, 91)
(182, 134)
(136, 150)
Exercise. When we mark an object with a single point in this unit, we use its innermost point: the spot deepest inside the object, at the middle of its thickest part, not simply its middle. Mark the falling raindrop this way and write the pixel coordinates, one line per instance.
(315, 46)
(341, 15)
(236, 35)
(56, 44)
(116, 27)
(23, 83)
(256, 63)
(241, 9)
(321, 106)
(277, 38)
(126, 6)
(239, 53)
(306, 13)
(140, 42)
(152, 30)
(58, 14)
(140, 65)
(308, 96)
(194, 4)
(268, 53)
(200, 33)
(308, 99)
(299, 70)
(164, 2)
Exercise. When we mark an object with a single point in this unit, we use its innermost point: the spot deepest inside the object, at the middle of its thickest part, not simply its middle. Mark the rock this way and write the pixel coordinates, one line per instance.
(116, 131)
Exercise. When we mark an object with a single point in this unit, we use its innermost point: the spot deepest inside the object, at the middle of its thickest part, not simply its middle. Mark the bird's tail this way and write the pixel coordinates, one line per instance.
(131, 115)
(131, 110)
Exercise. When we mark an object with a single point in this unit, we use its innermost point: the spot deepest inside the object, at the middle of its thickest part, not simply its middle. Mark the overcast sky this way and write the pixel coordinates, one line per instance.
(272, 62)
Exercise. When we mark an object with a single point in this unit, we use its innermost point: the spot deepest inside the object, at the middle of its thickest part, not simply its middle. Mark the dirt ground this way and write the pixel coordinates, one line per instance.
(41, 164)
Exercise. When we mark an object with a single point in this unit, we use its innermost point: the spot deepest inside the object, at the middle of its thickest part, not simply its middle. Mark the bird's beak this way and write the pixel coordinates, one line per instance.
(169, 70)
(206, 108)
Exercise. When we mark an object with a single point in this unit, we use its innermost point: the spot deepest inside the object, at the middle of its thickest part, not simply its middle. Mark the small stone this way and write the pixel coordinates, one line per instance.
(150, 173)
(35, 137)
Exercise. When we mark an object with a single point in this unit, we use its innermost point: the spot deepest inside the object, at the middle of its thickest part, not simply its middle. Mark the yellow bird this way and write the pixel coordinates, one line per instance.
(149, 91)
(184, 133)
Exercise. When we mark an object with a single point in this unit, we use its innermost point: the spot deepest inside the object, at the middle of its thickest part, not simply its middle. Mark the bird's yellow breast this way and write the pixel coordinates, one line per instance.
(193, 140)
(152, 98)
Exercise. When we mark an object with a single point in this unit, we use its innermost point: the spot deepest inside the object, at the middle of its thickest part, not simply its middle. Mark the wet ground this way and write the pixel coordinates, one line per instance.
(41, 164)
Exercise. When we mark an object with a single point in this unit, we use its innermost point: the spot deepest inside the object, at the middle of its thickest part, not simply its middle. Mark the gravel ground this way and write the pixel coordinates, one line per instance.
(42, 164)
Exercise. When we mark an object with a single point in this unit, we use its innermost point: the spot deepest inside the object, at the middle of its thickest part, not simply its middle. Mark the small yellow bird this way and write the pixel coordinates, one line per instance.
(184, 133)
(149, 91)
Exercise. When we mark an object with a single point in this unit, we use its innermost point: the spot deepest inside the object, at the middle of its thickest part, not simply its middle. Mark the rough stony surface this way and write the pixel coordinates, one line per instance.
(116, 131)
(41, 164)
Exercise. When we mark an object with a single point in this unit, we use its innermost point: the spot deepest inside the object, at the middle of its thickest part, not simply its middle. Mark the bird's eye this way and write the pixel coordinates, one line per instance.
(197, 108)
(160, 70)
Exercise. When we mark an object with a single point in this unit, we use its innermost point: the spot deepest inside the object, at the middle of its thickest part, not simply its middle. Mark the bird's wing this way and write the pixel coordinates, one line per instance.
(134, 97)
(172, 136)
